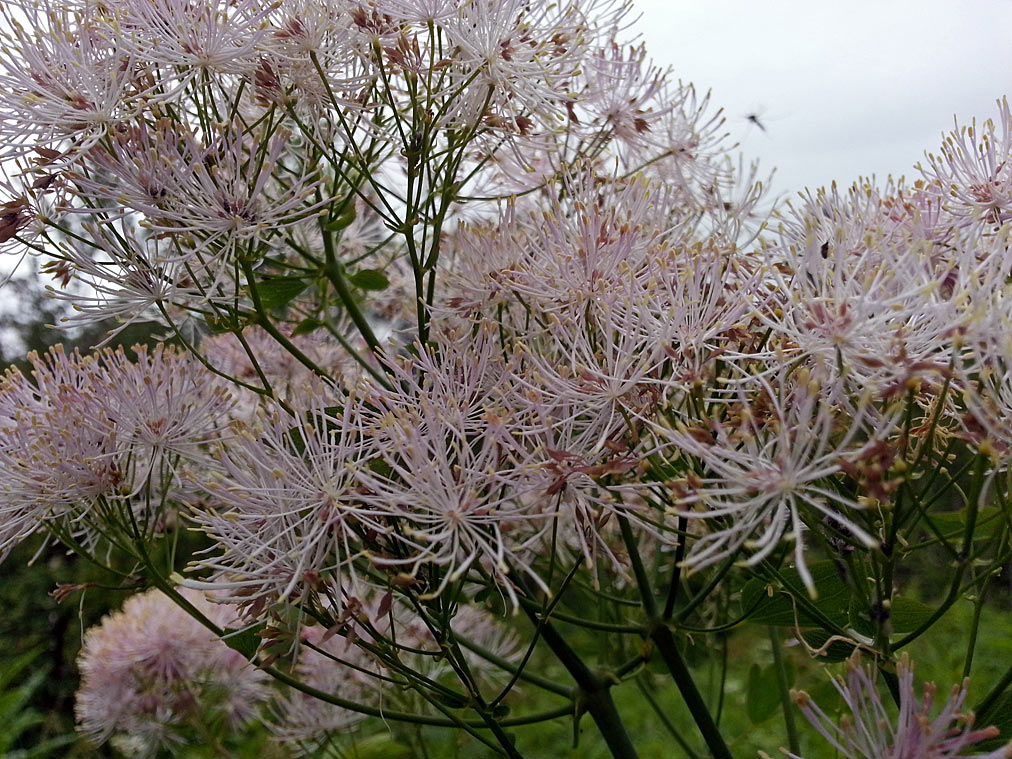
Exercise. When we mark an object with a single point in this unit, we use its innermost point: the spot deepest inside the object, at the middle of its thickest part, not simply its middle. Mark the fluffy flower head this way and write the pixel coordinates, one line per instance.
(869, 733)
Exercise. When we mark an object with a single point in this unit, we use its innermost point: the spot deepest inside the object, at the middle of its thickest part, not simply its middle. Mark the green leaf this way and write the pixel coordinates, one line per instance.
(483, 595)
(953, 523)
(762, 696)
(343, 220)
(906, 614)
(381, 746)
(370, 279)
(279, 292)
(245, 642)
(16, 667)
(782, 607)
(306, 326)
(43, 749)
(380, 466)
(16, 714)
(998, 714)
(859, 620)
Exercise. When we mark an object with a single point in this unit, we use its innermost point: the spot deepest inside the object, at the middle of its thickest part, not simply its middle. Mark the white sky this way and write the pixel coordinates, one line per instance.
(845, 89)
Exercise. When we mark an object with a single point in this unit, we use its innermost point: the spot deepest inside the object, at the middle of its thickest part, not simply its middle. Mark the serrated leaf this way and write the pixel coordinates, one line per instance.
(342, 221)
(306, 326)
(762, 696)
(280, 291)
(370, 279)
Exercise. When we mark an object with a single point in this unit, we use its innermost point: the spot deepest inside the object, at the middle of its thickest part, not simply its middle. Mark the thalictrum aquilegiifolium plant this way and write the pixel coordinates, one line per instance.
(480, 343)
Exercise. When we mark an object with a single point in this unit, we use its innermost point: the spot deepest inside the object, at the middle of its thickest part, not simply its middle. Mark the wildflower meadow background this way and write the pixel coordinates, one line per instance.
(447, 385)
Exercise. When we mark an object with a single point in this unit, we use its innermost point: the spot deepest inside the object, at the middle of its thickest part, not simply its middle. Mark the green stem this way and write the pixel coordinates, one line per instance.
(662, 637)
(595, 693)
(680, 673)
(785, 691)
(978, 606)
(334, 272)
(963, 558)
(589, 624)
(978, 602)
(263, 320)
(892, 683)
(668, 724)
(542, 682)
(386, 714)
(649, 603)
(676, 570)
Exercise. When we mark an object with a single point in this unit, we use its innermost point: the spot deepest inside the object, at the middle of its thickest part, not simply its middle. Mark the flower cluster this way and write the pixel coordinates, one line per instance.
(154, 677)
(91, 444)
(869, 733)
(194, 142)
(469, 298)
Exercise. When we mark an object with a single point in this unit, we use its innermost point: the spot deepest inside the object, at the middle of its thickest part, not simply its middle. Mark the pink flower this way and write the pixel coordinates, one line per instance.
(519, 56)
(624, 94)
(768, 454)
(868, 732)
(972, 175)
(851, 289)
(83, 437)
(283, 511)
(151, 671)
(63, 78)
(451, 470)
(193, 38)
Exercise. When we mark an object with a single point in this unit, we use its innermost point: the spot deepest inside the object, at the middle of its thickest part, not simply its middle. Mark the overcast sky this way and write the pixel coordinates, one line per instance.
(844, 89)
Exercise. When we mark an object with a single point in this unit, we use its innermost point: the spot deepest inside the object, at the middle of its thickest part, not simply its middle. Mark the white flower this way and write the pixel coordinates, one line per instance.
(972, 175)
(449, 471)
(83, 435)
